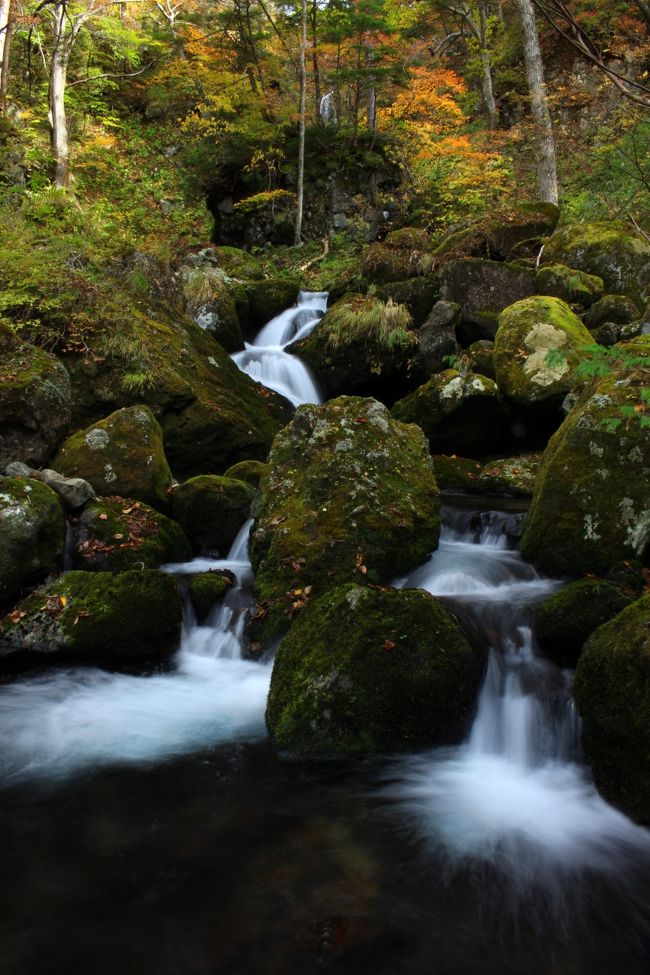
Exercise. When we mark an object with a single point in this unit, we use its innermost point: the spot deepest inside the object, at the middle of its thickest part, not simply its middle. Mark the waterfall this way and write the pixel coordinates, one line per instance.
(266, 360)
(327, 108)
(515, 796)
(72, 719)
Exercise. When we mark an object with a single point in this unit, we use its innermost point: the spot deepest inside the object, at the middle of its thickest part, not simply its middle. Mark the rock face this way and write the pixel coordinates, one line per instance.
(570, 285)
(350, 496)
(613, 698)
(35, 401)
(122, 455)
(620, 258)
(366, 670)
(32, 534)
(483, 289)
(539, 343)
(115, 534)
(211, 510)
(437, 338)
(565, 620)
(458, 413)
(97, 615)
(590, 506)
(360, 345)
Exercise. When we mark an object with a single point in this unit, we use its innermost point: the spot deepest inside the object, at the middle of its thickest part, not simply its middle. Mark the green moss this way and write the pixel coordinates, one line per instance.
(98, 615)
(239, 264)
(457, 413)
(612, 692)
(114, 534)
(418, 295)
(538, 345)
(565, 620)
(397, 257)
(513, 477)
(480, 358)
(618, 309)
(212, 305)
(456, 473)
(32, 534)
(350, 495)
(269, 297)
(570, 285)
(366, 670)
(250, 471)
(211, 510)
(206, 589)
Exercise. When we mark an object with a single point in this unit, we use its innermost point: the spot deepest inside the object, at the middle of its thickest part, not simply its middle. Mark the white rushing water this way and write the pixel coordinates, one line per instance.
(266, 361)
(73, 719)
(515, 796)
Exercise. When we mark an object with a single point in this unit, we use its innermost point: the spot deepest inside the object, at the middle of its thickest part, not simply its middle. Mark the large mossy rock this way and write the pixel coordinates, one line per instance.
(251, 471)
(368, 670)
(612, 692)
(268, 298)
(397, 257)
(497, 237)
(350, 496)
(538, 345)
(613, 309)
(360, 345)
(456, 473)
(35, 401)
(416, 294)
(459, 413)
(211, 303)
(205, 589)
(483, 289)
(32, 534)
(591, 505)
(567, 618)
(122, 455)
(437, 339)
(513, 476)
(620, 258)
(115, 534)
(97, 616)
(570, 285)
(211, 510)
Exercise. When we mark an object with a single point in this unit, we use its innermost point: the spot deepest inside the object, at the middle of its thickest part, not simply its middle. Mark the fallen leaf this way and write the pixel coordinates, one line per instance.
(389, 645)
(103, 516)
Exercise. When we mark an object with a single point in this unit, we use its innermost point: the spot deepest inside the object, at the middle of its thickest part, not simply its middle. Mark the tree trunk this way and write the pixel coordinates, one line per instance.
(58, 78)
(488, 92)
(644, 8)
(545, 142)
(301, 137)
(5, 47)
(314, 60)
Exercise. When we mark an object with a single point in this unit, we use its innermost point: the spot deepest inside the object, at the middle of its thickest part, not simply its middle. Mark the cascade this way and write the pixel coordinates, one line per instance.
(327, 108)
(266, 361)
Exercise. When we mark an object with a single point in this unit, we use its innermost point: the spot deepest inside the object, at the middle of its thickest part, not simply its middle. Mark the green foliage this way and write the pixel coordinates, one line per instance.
(385, 323)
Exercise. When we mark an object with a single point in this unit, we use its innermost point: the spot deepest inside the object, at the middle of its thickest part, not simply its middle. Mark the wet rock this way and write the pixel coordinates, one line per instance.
(206, 589)
(570, 285)
(350, 496)
(538, 345)
(565, 620)
(114, 534)
(211, 510)
(611, 693)
(35, 401)
(268, 298)
(483, 289)
(250, 471)
(96, 616)
(122, 454)
(512, 477)
(32, 534)
(371, 670)
(211, 303)
(456, 473)
(457, 412)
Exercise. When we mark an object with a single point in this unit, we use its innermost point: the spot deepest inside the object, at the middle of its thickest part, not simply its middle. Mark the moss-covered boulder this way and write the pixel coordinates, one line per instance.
(397, 257)
(497, 236)
(619, 257)
(456, 473)
(612, 692)
(211, 510)
(538, 345)
(590, 505)
(350, 495)
(437, 339)
(268, 298)
(609, 333)
(35, 401)
(97, 616)
(513, 476)
(122, 455)
(32, 534)
(205, 589)
(368, 670)
(479, 357)
(616, 309)
(416, 294)
(239, 264)
(565, 620)
(251, 471)
(360, 345)
(458, 413)
(115, 534)
(211, 303)
(570, 285)
(483, 289)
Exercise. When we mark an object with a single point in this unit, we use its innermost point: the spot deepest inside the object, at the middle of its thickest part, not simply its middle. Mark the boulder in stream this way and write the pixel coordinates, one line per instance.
(32, 534)
(371, 670)
(211, 510)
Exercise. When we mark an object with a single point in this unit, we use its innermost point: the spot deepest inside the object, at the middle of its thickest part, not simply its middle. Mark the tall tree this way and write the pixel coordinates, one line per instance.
(544, 138)
(301, 137)
(6, 30)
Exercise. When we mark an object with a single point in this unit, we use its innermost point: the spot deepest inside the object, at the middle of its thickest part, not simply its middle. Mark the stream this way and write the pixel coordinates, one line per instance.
(149, 828)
